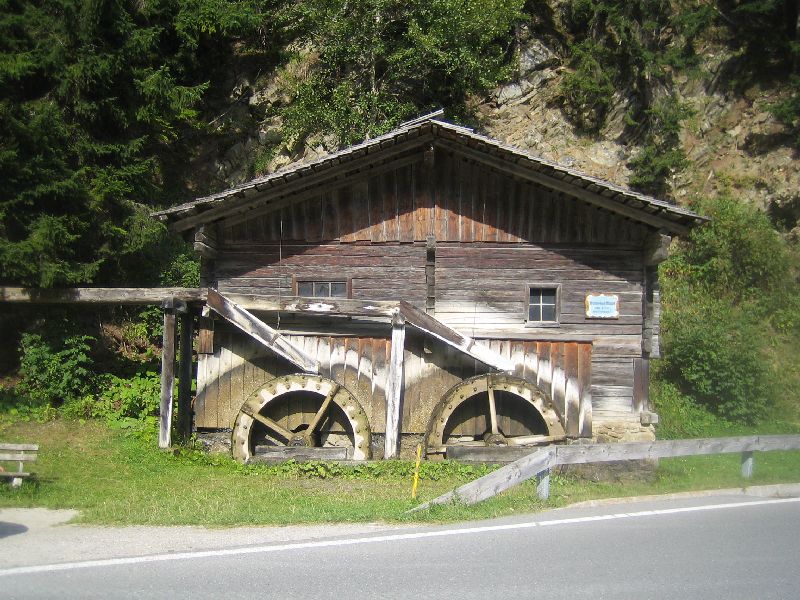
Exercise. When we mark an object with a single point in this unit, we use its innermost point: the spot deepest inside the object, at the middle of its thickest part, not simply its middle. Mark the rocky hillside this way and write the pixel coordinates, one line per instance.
(733, 143)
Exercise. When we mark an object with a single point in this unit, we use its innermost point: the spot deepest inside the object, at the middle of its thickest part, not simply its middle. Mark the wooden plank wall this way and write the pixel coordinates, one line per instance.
(493, 235)
(482, 288)
(238, 366)
(471, 203)
(386, 272)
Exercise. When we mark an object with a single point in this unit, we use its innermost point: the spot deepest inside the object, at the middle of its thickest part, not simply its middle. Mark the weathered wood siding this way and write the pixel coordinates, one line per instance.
(492, 236)
(466, 203)
(238, 366)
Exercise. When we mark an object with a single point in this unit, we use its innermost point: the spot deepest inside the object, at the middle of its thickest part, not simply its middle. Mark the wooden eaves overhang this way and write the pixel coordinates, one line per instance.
(295, 182)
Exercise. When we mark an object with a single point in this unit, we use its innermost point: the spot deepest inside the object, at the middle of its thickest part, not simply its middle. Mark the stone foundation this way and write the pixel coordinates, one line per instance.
(218, 440)
(622, 431)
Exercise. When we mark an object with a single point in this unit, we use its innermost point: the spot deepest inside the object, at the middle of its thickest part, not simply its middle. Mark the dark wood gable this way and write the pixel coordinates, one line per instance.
(452, 198)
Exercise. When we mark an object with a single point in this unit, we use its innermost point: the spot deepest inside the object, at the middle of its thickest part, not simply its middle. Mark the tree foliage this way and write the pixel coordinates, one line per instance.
(727, 292)
(376, 62)
(93, 98)
(626, 46)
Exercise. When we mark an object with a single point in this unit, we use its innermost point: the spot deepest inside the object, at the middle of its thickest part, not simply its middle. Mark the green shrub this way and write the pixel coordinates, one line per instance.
(739, 255)
(680, 416)
(589, 88)
(662, 154)
(136, 398)
(55, 371)
(716, 352)
(729, 294)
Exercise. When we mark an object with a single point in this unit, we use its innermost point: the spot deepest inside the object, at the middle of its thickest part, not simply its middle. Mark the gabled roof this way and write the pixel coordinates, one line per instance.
(426, 130)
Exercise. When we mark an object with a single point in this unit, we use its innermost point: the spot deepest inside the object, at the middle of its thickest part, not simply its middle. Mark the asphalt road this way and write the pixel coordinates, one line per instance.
(712, 547)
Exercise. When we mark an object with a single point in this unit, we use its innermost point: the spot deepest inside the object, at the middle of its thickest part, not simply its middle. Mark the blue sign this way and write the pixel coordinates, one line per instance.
(602, 306)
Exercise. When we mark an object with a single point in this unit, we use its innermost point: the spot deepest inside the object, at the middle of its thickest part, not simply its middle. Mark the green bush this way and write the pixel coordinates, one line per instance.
(729, 292)
(680, 416)
(136, 398)
(588, 88)
(55, 371)
(716, 353)
(662, 154)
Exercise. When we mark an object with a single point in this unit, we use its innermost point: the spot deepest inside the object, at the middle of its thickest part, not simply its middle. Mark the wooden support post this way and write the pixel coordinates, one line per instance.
(394, 388)
(747, 464)
(641, 385)
(185, 378)
(170, 307)
(543, 488)
(430, 275)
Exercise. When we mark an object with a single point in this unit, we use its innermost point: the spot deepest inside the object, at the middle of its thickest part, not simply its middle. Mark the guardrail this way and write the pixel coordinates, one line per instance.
(540, 462)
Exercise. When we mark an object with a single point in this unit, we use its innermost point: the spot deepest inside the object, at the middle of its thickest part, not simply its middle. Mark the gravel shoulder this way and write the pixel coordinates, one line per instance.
(34, 536)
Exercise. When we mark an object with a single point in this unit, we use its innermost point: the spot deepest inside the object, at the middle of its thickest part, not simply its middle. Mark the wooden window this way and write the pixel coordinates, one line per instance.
(543, 304)
(332, 288)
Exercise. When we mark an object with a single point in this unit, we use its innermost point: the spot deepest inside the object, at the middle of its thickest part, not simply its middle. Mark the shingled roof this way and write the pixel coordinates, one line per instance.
(429, 129)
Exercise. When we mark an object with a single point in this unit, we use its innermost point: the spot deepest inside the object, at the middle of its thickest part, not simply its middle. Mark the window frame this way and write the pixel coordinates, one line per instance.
(535, 285)
(348, 281)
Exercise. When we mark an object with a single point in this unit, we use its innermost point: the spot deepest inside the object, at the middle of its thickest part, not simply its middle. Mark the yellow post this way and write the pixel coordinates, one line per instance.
(416, 473)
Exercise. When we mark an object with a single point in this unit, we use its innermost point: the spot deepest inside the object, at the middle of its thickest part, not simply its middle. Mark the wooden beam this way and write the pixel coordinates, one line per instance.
(185, 377)
(581, 454)
(316, 306)
(394, 388)
(559, 185)
(100, 295)
(261, 332)
(428, 324)
(656, 249)
(167, 377)
(23, 447)
(495, 455)
(205, 241)
(497, 481)
(543, 460)
(298, 453)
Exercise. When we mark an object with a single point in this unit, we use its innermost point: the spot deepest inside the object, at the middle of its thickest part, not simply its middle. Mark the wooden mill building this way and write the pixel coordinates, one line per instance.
(431, 284)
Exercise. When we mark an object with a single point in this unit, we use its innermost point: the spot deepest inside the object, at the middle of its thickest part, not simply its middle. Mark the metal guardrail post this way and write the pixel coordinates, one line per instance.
(748, 462)
(543, 488)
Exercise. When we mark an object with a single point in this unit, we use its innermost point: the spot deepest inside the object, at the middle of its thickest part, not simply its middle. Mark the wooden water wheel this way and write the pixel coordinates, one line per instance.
(301, 411)
(492, 410)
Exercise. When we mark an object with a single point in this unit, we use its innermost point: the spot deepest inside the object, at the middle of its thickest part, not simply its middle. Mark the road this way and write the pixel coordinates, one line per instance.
(712, 547)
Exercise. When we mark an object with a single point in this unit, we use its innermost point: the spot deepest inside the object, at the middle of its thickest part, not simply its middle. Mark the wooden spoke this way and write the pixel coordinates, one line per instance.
(284, 433)
(325, 403)
(493, 410)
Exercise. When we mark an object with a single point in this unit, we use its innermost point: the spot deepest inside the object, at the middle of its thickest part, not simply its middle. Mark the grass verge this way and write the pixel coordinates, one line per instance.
(116, 478)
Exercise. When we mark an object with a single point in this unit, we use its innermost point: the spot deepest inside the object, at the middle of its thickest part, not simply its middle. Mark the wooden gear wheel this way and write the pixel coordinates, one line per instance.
(303, 411)
(492, 410)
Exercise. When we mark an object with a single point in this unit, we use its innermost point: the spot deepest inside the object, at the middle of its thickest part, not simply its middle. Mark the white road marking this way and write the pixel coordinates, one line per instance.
(134, 560)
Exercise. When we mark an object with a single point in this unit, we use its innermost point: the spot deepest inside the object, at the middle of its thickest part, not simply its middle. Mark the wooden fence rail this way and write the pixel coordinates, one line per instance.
(539, 463)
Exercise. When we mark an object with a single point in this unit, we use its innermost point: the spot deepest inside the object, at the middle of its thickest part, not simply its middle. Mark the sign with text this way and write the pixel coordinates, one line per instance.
(602, 306)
